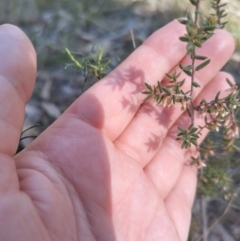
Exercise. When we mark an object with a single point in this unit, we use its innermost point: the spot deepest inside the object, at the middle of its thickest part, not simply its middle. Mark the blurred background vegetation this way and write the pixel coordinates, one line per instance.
(81, 24)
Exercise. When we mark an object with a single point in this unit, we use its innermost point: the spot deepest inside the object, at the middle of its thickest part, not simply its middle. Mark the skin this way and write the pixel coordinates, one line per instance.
(109, 168)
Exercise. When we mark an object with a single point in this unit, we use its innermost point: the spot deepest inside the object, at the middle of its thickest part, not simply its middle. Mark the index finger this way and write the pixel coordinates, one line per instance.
(119, 93)
(17, 77)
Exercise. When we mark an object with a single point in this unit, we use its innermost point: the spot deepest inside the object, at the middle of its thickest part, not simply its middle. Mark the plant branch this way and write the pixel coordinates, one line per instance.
(218, 220)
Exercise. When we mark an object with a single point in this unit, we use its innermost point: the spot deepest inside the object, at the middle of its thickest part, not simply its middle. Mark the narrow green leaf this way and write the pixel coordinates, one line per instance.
(157, 98)
(177, 89)
(201, 37)
(177, 75)
(193, 2)
(148, 86)
(194, 161)
(203, 101)
(184, 39)
(100, 54)
(197, 43)
(146, 92)
(169, 76)
(174, 99)
(181, 129)
(187, 67)
(190, 127)
(202, 65)
(94, 67)
(217, 96)
(196, 85)
(209, 28)
(189, 112)
(160, 87)
(181, 83)
(183, 145)
(199, 57)
(221, 12)
(193, 130)
(189, 17)
(229, 82)
(183, 21)
(190, 48)
(189, 73)
(166, 91)
(73, 59)
(178, 139)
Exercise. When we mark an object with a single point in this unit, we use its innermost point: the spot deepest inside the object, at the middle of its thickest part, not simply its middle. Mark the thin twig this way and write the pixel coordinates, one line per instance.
(26, 137)
(204, 218)
(219, 218)
(31, 127)
(193, 62)
(133, 39)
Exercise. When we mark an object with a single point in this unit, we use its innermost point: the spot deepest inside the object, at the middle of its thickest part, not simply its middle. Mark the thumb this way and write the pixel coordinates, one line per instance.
(17, 77)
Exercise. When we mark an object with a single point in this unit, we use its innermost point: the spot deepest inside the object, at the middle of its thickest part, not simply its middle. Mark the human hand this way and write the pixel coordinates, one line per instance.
(109, 168)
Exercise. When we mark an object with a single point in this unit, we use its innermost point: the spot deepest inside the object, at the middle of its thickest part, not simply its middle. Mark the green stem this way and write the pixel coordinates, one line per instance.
(193, 63)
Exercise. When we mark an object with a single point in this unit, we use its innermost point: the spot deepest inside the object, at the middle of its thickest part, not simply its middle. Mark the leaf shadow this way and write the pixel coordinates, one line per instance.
(118, 79)
(154, 142)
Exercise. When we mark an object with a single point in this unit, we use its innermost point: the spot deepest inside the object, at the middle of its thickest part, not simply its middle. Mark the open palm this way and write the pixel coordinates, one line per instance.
(109, 168)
